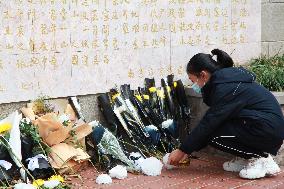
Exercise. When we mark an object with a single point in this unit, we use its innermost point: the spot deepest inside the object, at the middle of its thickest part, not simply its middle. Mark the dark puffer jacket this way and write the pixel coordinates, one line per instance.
(233, 94)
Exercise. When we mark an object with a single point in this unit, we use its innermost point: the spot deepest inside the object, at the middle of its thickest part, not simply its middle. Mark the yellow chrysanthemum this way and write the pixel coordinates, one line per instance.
(38, 182)
(139, 98)
(152, 89)
(115, 96)
(5, 127)
(175, 84)
(168, 89)
(161, 93)
(57, 177)
(146, 97)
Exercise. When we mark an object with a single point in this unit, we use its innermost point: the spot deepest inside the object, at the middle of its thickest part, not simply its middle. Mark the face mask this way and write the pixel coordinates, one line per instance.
(196, 88)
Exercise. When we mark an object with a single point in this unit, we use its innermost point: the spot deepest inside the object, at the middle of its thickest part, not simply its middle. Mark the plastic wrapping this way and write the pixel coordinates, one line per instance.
(107, 143)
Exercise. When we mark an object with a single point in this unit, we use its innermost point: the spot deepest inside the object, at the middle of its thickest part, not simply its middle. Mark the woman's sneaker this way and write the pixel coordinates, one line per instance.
(259, 167)
(235, 165)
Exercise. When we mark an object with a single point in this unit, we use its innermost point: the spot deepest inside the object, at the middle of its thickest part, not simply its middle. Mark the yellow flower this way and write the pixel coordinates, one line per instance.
(57, 177)
(152, 89)
(146, 97)
(5, 127)
(38, 182)
(175, 84)
(161, 94)
(139, 97)
(168, 89)
(115, 96)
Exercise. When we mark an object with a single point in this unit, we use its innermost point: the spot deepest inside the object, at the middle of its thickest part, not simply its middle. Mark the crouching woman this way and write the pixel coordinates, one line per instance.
(243, 119)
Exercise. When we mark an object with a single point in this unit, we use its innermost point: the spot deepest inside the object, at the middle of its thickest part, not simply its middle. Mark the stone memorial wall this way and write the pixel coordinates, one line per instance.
(75, 47)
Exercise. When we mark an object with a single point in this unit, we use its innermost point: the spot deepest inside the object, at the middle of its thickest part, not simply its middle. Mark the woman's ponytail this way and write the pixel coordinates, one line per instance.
(203, 61)
(223, 59)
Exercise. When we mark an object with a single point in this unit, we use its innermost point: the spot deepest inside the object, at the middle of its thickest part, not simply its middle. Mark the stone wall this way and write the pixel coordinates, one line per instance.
(67, 48)
(272, 27)
(88, 103)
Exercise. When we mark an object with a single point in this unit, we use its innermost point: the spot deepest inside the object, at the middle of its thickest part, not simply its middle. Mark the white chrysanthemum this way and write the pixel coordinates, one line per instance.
(93, 123)
(118, 172)
(167, 123)
(153, 127)
(135, 155)
(137, 158)
(103, 179)
(165, 161)
(151, 166)
(51, 183)
(5, 164)
(24, 186)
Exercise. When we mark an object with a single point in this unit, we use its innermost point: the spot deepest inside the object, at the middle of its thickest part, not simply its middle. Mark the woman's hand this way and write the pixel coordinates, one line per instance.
(176, 157)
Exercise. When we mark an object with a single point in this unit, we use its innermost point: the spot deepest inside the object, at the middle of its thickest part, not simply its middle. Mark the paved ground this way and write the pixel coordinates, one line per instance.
(205, 172)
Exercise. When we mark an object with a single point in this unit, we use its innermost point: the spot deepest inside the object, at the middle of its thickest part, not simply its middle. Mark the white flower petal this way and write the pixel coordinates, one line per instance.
(165, 161)
(118, 172)
(51, 183)
(151, 166)
(103, 179)
(7, 165)
(167, 123)
(24, 186)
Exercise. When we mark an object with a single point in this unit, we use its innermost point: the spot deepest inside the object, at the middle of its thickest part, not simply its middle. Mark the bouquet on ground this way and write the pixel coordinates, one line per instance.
(150, 120)
(64, 134)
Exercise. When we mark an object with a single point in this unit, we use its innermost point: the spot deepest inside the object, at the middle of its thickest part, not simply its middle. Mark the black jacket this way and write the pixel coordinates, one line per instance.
(231, 94)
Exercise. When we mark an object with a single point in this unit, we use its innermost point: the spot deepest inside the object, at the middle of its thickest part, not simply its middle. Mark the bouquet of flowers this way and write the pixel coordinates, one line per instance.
(157, 116)
(53, 138)
(57, 138)
(13, 141)
(109, 146)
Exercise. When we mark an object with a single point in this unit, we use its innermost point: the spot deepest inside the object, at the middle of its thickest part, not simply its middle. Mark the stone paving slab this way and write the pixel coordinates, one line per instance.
(205, 172)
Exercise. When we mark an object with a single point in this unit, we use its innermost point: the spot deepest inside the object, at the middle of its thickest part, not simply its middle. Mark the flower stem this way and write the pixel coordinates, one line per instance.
(10, 149)
(5, 179)
(136, 147)
(47, 157)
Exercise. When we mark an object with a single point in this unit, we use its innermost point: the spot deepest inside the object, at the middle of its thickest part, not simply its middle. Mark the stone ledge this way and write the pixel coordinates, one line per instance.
(190, 92)
(280, 97)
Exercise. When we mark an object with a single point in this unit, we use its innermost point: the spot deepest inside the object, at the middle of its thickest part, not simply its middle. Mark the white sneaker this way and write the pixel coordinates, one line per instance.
(235, 165)
(259, 167)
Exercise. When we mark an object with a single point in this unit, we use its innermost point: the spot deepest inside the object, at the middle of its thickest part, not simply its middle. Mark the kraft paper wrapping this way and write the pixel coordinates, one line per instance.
(80, 155)
(57, 136)
(64, 156)
(60, 154)
(28, 113)
(81, 132)
(50, 130)
(53, 132)
(73, 167)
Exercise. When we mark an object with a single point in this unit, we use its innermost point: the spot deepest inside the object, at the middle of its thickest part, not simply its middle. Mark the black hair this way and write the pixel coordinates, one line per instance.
(202, 61)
